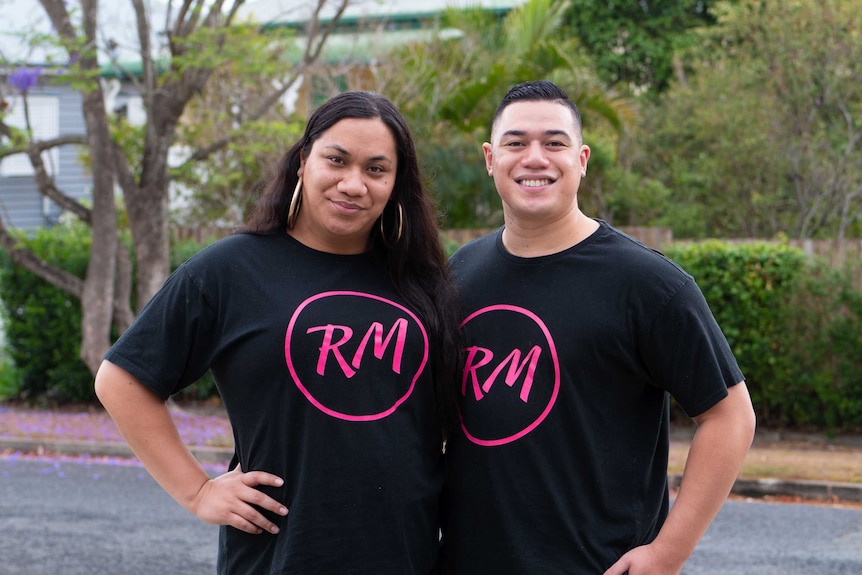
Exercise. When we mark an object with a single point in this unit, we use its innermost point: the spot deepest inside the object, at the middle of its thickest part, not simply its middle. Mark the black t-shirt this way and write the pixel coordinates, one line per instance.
(326, 379)
(570, 359)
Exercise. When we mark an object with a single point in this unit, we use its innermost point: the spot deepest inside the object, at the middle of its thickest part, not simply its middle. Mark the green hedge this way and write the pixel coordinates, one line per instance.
(821, 340)
(42, 323)
(794, 325)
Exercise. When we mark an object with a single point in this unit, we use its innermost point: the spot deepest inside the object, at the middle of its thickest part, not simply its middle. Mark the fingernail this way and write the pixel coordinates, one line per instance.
(282, 510)
(279, 482)
(274, 530)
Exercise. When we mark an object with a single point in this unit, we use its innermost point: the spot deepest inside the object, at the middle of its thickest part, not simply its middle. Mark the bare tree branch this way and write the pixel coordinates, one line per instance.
(147, 67)
(312, 53)
(313, 47)
(180, 23)
(48, 188)
(39, 145)
(44, 181)
(27, 259)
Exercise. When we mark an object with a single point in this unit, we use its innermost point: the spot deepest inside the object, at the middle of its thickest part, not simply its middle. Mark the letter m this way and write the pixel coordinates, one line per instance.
(398, 332)
(516, 368)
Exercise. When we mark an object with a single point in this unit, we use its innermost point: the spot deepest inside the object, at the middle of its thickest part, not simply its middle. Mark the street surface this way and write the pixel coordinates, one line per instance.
(758, 538)
(72, 517)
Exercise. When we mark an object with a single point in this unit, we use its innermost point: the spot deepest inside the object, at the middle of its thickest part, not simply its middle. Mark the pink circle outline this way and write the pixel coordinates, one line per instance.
(310, 397)
(555, 361)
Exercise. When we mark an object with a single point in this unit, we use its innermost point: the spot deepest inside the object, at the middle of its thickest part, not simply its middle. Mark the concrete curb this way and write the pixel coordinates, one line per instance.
(768, 487)
(756, 488)
(208, 455)
(802, 488)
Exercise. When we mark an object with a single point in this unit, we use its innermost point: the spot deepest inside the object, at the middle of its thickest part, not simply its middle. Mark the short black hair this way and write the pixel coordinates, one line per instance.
(537, 91)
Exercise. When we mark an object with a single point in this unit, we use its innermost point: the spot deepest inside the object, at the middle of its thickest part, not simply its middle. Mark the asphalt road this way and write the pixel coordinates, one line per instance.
(90, 519)
(75, 518)
(757, 538)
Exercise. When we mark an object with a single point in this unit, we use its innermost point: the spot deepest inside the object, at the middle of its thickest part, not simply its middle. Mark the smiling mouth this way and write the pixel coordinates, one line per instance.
(535, 183)
(347, 206)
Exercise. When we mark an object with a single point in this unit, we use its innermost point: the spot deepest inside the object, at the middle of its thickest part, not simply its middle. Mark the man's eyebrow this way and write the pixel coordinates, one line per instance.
(521, 133)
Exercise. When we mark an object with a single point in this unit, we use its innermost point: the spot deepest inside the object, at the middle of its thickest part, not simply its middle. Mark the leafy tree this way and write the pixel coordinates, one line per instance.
(765, 137)
(457, 80)
(199, 37)
(217, 185)
(811, 55)
(633, 43)
(724, 171)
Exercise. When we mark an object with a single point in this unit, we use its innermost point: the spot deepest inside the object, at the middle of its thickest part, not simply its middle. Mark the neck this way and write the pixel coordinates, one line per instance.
(530, 240)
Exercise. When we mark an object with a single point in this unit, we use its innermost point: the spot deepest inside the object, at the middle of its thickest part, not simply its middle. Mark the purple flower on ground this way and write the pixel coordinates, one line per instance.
(24, 78)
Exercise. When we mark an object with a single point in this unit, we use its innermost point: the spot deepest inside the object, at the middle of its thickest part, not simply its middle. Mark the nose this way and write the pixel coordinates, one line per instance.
(352, 183)
(535, 155)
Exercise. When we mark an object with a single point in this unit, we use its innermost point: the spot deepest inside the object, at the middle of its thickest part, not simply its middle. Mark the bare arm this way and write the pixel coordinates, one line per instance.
(146, 424)
(721, 442)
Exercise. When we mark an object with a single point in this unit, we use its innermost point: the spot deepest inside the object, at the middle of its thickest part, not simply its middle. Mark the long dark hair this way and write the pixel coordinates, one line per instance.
(415, 262)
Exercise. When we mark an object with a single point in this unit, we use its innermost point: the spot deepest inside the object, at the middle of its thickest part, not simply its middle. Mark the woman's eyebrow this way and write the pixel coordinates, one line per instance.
(339, 149)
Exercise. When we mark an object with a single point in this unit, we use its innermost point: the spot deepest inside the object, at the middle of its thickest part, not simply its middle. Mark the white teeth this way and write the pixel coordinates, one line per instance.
(535, 183)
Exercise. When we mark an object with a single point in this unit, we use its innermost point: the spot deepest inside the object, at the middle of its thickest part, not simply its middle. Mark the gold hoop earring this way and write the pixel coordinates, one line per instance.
(400, 227)
(295, 201)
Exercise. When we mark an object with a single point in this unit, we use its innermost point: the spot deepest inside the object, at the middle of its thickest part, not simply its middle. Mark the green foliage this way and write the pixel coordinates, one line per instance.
(456, 80)
(700, 140)
(633, 44)
(822, 367)
(459, 183)
(525, 45)
(245, 48)
(183, 250)
(745, 286)
(42, 322)
(794, 325)
(449, 246)
(10, 379)
(761, 137)
(219, 185)
(130, 140)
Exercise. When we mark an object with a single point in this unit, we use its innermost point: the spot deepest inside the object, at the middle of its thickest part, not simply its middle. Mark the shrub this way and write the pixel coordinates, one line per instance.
(43, 323)
(821, 363)
(10, 379)
(745, 286)
(794, 324)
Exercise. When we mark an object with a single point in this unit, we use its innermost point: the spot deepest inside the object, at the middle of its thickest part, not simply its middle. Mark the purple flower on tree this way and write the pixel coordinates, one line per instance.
(24, 78)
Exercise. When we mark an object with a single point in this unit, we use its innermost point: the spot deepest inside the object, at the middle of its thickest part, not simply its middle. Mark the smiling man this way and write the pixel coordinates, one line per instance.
(577, 336)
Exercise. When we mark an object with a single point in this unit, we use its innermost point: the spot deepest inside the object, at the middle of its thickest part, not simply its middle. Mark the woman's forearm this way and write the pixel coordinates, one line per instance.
(146, 424)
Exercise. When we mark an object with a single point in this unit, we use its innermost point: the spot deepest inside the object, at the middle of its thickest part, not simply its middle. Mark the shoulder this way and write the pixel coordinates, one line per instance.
(634, 256)
(642, 276)
(230, 250)
(475, 250)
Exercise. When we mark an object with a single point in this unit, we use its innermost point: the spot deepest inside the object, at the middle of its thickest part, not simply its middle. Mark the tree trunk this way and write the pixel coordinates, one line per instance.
(148, 219)
(97, 301)
(123, 316)
(147, 207)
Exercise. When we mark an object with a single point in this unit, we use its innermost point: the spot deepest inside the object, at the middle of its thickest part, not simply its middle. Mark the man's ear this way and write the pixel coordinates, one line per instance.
(585, 157)
(489, 157)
